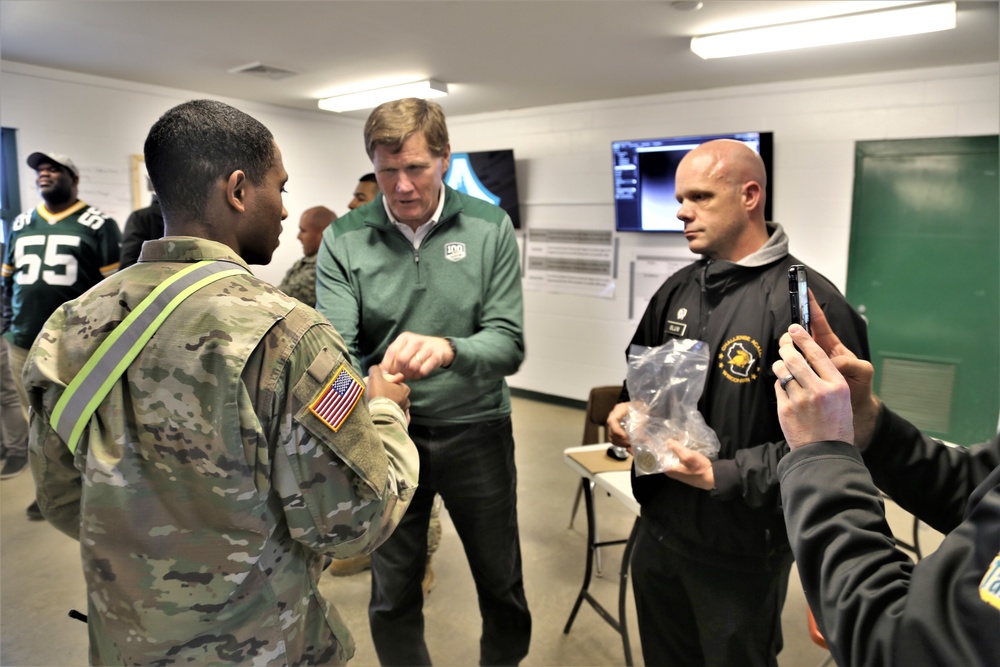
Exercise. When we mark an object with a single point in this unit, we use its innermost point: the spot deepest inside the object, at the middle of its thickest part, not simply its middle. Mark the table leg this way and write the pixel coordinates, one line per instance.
(588, 497)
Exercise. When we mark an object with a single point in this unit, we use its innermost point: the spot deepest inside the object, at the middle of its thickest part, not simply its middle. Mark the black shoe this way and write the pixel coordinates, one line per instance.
(13, 466)
(34, 513)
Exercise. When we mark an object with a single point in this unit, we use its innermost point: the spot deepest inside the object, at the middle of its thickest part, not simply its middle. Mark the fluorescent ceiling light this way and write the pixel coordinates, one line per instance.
(369, 99)
(912, 20)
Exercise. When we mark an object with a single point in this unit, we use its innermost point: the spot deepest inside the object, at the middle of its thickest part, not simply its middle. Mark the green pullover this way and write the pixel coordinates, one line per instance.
(464, 283)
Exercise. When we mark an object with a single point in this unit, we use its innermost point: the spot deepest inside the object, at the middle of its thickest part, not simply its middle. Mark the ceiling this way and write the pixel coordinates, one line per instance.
(495, 55)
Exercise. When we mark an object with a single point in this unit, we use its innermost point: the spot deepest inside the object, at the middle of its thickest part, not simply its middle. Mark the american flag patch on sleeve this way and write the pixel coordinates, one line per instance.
(335, 403)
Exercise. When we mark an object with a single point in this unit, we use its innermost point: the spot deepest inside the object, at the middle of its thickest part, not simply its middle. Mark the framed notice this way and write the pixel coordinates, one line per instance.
(570, 261)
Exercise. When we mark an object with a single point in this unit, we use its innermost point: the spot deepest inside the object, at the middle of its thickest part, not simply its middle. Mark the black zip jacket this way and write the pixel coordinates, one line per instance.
(740, 311)
(873, 605)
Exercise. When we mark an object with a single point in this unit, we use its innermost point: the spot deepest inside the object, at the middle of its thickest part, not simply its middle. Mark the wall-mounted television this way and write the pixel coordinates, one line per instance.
(644, 178)
(487, 175)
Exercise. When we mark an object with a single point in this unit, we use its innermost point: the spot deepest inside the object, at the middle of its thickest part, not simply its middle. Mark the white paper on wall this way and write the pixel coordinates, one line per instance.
(648, 273)
(570, 261)
(107, 187)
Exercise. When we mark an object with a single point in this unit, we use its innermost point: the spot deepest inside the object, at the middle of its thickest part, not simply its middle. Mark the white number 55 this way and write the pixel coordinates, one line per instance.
(33, 262)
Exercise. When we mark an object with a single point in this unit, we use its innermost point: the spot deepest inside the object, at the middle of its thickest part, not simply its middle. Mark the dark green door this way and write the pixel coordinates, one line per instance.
(924, 269)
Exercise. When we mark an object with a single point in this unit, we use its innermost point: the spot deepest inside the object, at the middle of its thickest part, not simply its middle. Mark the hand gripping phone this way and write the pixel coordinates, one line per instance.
(798, 295)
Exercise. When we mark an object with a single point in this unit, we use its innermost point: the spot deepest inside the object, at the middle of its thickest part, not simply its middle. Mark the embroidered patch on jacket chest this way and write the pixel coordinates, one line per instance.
(989, 589)
(739, 359)
(454, 252)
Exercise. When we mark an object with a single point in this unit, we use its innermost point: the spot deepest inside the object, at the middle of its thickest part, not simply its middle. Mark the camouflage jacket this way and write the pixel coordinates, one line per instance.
(300, 281)
(205, 489)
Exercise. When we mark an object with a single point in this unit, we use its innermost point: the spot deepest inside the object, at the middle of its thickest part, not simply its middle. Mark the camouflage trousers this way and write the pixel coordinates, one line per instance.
(434, 528)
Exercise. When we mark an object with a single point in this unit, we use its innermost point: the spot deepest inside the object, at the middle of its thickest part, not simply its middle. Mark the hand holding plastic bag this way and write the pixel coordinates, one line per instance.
(665, 384)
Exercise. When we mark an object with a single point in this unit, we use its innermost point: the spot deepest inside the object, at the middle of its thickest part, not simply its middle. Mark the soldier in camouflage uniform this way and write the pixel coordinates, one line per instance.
(207, 488)
(300, 281)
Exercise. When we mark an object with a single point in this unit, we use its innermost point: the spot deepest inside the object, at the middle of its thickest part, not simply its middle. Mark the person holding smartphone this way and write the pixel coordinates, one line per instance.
(872, 603)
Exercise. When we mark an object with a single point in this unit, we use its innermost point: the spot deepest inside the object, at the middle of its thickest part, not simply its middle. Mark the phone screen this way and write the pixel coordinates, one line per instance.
(798, 295)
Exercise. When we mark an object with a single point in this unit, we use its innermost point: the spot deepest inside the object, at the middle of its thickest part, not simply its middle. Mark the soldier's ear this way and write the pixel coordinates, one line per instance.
(236, 190)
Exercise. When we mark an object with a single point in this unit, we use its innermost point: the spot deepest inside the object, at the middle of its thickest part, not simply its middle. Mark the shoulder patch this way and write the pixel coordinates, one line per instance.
(989, 588)
(334, 404)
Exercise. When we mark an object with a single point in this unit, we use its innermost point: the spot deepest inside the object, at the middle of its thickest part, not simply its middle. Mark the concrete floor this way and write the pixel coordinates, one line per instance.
(40, 578)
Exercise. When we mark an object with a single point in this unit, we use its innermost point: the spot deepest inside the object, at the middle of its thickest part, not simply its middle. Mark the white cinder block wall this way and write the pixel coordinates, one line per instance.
(563, 158)
(101, 122)
(564, 169)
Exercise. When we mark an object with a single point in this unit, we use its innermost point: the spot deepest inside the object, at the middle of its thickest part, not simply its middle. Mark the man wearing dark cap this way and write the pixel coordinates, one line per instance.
(55, 253)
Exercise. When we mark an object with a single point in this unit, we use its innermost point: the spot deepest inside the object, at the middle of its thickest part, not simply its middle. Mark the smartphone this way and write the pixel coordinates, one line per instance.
(798, 295)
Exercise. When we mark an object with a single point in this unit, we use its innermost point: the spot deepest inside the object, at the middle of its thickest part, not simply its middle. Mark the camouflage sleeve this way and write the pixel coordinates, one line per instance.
(345, 470)
(300, 282)
(58, 484)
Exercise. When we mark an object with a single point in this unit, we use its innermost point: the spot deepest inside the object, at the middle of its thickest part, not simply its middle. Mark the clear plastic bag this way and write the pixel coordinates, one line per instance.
(664, 384)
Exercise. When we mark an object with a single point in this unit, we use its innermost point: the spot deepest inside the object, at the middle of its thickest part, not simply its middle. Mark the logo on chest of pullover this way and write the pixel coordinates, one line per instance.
(454, 252)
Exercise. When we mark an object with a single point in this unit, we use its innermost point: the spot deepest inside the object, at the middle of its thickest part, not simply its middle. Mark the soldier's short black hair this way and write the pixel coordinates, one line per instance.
(368, 178)
(195, 144)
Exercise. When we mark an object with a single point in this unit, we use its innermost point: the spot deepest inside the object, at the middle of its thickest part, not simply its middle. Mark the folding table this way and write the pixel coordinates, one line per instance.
(598, 470)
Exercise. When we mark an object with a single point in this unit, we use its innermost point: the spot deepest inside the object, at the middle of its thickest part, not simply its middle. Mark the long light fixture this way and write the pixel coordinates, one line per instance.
(369, 99)
(912, 20)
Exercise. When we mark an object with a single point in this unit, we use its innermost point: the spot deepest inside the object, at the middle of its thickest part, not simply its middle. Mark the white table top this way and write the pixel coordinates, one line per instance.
(617, 483)
(575, 465)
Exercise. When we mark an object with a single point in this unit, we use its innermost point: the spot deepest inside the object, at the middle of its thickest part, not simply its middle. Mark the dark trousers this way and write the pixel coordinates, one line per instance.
(691, 613)
(472, 467)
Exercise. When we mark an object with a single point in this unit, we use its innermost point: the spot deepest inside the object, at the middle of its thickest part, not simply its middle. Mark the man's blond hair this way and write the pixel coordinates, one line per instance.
(392, 123)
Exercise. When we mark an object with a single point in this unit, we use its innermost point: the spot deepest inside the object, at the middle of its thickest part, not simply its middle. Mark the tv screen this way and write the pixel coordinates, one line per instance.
(644, 178)
(487, 175)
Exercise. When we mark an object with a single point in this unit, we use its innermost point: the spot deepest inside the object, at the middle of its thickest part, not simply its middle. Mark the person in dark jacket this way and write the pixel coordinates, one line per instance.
(711, 560)
(873, 605)
(144, 224)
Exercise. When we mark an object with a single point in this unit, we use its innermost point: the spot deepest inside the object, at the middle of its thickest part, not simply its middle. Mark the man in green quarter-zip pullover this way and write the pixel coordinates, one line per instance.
(426, 282)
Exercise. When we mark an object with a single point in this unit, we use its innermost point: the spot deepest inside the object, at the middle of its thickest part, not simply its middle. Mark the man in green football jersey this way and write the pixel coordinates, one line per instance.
(55, 253)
